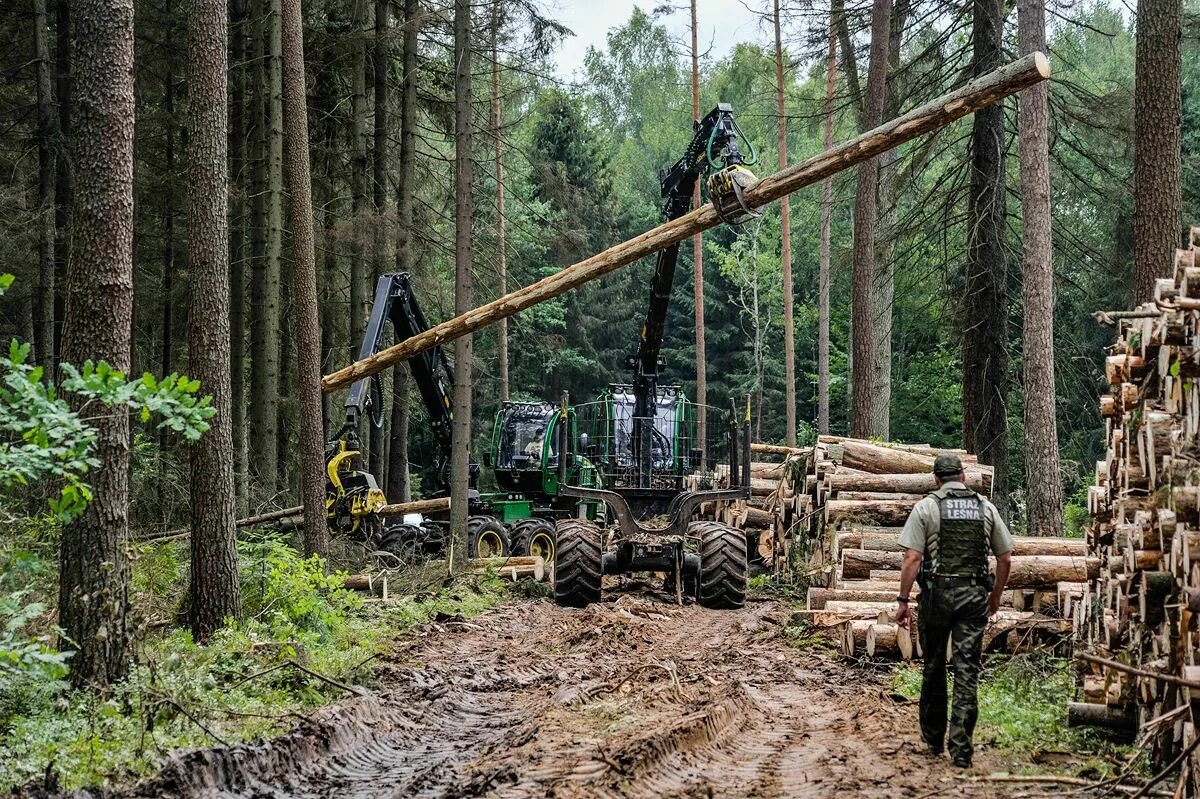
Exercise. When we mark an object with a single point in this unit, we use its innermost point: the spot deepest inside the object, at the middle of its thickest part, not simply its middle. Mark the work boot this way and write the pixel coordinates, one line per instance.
(962, 761)
(935, 747)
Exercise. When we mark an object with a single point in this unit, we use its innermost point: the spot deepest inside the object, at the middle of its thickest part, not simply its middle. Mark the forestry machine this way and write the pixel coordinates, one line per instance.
(645, 440)
(525, 455)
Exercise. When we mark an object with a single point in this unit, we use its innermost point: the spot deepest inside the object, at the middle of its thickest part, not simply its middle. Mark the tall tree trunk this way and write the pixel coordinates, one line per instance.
(1157, 142)
(273, 322)
(379, 59)
(785, 221)
(215, 579)
(261, 461)
(62, 180)
(985, 308)
(167, 286)
(826, 236)
(501, 233)
(49, 141)
(864, 419)
(237, 263)
(1043, 485)
(93, 574)
(883, 287)
(398, 469)
(698, 263)
(304, 282)
(360, 292)
(464, 299)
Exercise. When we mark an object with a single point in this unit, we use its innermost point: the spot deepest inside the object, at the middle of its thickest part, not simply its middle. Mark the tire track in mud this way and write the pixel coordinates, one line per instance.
(630, 698)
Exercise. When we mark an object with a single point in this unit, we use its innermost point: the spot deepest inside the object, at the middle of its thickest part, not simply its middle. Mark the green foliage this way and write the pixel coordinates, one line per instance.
(43, 439)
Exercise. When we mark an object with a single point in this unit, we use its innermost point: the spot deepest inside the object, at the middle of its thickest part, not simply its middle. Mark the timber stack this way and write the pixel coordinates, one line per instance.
(842, 506)
(1137, 616)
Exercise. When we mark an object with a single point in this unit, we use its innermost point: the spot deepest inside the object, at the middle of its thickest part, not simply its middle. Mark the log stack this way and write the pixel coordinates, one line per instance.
(857, 496)
(1137, 614)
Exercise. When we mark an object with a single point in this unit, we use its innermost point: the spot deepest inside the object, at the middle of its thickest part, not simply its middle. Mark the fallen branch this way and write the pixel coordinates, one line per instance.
(1154, 675)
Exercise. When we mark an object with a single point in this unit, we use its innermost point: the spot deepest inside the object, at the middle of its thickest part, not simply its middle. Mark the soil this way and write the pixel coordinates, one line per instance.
(635, 697)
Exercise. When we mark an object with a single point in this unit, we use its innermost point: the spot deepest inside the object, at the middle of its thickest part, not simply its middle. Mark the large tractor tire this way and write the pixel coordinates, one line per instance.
(723, 566)
(534, 537)
(487, 538)
(578, 563)
(405, 541)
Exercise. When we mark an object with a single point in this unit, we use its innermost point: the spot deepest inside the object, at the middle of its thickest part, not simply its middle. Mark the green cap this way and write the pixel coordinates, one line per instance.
(947, 465)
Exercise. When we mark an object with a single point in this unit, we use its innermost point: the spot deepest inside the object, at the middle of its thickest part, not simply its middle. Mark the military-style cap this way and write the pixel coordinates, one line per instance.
(947, 465)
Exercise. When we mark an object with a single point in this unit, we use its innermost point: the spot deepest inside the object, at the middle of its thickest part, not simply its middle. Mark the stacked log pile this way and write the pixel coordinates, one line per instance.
(857, 495)
(1137, 615)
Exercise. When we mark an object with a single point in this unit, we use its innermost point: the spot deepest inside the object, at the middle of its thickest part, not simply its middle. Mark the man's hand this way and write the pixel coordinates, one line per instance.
(993, 602)
(903, 615)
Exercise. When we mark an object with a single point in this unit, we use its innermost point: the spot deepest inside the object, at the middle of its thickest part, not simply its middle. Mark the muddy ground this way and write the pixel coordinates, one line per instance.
(635, 697)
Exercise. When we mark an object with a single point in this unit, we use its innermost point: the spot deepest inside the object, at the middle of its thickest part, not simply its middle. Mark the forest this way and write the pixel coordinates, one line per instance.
(200, 198)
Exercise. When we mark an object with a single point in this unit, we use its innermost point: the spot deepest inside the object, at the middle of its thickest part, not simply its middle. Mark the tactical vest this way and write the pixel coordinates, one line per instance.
(960, 548)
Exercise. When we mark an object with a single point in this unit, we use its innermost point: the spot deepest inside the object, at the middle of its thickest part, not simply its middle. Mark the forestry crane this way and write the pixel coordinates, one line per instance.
(646, 442)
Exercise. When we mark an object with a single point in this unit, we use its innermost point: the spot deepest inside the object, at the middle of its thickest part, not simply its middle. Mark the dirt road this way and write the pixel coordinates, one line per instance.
(633, 698)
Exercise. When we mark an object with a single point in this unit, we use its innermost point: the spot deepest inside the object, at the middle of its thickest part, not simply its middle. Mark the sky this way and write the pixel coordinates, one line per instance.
(722, 24)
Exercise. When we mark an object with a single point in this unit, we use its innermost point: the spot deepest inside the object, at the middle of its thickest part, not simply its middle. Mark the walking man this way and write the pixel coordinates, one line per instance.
(947, 540)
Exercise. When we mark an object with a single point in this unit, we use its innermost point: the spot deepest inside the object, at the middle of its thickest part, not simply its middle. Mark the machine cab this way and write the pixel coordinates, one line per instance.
(525, 444)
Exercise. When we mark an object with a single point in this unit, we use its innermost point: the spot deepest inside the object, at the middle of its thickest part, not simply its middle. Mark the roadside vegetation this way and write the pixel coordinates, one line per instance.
(305, 640)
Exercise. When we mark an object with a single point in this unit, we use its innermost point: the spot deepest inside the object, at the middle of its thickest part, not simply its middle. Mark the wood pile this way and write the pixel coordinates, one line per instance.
(847, 520)
(1137, 615)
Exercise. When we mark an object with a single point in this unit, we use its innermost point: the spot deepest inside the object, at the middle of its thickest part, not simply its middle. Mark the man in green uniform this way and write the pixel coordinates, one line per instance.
(947, 540)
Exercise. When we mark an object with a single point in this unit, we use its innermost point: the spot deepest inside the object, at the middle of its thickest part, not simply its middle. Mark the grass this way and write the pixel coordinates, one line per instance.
(182, 695)
(1023, 711)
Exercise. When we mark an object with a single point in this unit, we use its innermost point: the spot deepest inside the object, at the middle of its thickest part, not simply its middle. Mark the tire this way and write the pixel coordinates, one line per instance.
(578, 563)
(723, 566)
(405, 541)
(534, 537)
(487, 538)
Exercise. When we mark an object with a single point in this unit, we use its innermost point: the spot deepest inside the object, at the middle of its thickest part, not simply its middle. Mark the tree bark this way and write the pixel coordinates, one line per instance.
(262, 461)
(934, 114)
(985, 306)
(1157, 142)
(398, 466)
(265, 375)
(237, 262)
(501, 232)
(1043, 484)
(49, 141)
(785, 222)
(93, 574)
(698, 264)
(379, 154)
(826, 242)
(215, 581)
(864, 419)
(167, 286)
(62, 181)
(360, 292)
(464, 300)
(304, 281)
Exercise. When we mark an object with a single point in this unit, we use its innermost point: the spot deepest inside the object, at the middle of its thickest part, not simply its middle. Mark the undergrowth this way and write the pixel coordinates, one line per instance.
(237, 687)
(1023, 710)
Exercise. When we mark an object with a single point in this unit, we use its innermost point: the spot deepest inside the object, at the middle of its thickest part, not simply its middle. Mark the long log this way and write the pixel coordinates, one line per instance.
(905, 483)
(416, 506)
(262, 518)
(979, 93)
(1113, 717)
(1028, 571)
(887, 512)
(1022, 544)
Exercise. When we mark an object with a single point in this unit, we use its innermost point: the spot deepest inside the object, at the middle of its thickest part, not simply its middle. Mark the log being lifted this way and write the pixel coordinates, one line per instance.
(979, 93)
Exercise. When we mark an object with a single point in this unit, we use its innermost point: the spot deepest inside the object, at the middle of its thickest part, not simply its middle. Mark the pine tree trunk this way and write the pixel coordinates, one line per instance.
(985, 307)
(1043, 486)
(260, 462)
(785, 222)
(237, 262)
(398, 467)
(1157, 142)
(864, 419)
(166, 364)
(48, 143)
(378, 450)
(698, 263)
(215, 586)
(464, 299)
(360, 292)
(826, 241)
(304, 281)
(94, 574)
(62, 180)
(501, 233)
